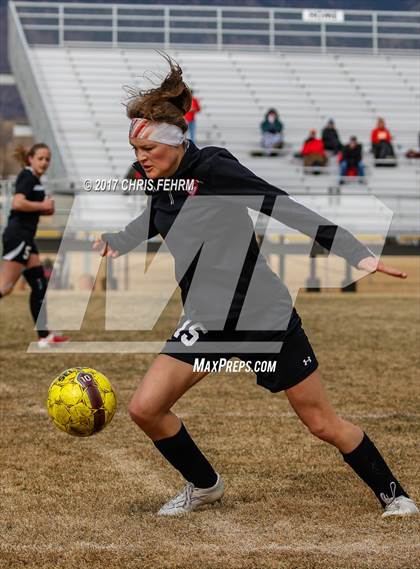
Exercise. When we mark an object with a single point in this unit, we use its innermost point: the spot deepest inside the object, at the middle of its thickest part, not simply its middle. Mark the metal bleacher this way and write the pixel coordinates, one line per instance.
(81, 88)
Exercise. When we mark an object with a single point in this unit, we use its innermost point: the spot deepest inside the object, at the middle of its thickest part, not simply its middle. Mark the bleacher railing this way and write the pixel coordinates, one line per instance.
(218, 27)
(404, 206)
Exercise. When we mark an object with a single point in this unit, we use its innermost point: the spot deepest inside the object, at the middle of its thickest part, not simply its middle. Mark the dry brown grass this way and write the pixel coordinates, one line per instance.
(291, 502)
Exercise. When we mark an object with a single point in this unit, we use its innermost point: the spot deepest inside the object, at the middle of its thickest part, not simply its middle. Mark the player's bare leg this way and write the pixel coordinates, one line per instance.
(33, 261)
(10, 272)
(311, 404)
(150, 408)
(165, 382)
(34, 275)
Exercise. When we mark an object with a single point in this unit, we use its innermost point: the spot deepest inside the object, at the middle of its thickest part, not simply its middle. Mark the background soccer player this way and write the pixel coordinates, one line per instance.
(20, 253)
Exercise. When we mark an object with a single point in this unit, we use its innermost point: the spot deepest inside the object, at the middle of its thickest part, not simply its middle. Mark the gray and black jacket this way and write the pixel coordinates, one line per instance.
(214, 238)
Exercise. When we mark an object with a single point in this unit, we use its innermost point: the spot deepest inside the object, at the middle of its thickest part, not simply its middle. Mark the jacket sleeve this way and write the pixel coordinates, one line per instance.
(139, 230)
(302, 150)
(229, 177)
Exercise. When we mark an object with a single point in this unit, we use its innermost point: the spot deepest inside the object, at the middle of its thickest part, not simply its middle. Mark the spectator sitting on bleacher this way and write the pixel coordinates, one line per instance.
(313, 152)
(272, 130)
(330, 137)
(351, 160)
(381, 141)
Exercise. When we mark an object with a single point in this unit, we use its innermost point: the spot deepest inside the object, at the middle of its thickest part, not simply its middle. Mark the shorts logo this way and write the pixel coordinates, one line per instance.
(307, 361)
(191, 335)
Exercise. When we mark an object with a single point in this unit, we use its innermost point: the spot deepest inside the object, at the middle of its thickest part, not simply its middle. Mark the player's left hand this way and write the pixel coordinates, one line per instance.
(104, 249)
(375, 265)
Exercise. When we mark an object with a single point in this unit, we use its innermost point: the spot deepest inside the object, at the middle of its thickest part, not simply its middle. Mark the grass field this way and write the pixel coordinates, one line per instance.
(291, 502)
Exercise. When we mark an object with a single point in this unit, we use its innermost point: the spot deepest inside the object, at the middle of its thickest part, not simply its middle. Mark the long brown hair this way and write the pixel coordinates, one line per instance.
(167, 103)
(22, 154)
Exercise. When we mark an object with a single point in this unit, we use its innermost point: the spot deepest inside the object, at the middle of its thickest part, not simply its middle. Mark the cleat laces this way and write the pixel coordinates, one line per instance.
(387, 499)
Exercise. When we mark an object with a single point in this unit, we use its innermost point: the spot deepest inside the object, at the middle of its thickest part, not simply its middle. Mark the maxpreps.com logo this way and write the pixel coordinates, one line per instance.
(234, 366)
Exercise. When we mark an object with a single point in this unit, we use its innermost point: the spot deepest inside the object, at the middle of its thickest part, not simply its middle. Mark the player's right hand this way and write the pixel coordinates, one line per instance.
(47, 206)
(104, 249)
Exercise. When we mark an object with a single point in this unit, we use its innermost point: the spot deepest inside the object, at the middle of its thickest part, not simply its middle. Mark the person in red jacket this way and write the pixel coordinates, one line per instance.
(381, 141)
(313, 152)
(190, 117)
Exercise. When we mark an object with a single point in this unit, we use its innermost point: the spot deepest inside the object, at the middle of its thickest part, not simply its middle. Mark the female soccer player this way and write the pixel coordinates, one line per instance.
(20, 253)
(157, 134)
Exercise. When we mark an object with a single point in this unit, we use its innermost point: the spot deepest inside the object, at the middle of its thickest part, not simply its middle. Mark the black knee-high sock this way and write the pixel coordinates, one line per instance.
(184, 455)
(38, 283)
(367, 462)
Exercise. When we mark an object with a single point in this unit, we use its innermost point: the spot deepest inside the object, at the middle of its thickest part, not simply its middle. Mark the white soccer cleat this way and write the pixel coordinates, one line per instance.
(192, 498)
(401, 506)
(53, 339)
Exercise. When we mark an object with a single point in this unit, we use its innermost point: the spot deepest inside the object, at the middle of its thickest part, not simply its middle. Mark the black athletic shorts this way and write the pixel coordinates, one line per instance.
(276, 370)
(18, 245)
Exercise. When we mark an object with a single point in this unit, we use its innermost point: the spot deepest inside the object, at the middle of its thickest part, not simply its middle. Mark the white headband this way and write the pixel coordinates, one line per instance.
(156, 131)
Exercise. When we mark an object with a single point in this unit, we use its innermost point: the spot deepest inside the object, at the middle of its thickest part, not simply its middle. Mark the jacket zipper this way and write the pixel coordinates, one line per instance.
(171, 199)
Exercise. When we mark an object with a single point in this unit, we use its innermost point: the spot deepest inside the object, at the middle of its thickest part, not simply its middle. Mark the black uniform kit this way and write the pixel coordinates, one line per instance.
(234, 305)
(19, 245)
(18, 237)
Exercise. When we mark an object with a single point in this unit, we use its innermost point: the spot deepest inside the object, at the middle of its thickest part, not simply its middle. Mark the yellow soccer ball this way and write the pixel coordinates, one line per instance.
(81, 401)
